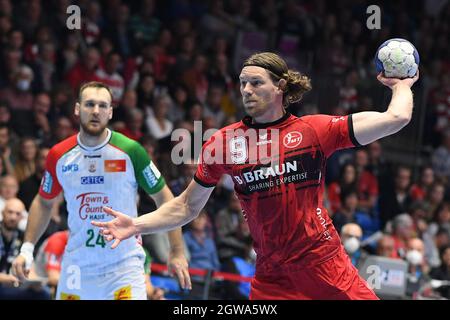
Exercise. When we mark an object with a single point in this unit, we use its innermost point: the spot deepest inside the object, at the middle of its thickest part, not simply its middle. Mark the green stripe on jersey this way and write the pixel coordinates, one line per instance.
(146, 173)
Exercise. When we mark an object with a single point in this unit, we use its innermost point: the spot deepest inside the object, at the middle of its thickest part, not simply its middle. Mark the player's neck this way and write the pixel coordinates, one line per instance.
(270, 116)
(92, 141)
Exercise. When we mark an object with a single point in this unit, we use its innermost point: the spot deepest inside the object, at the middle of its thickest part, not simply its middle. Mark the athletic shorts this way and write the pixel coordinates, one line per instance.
(334, 279)
(124, 284)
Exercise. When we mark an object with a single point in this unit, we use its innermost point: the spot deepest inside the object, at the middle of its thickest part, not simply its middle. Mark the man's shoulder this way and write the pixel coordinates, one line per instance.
(61, 148)
(122, 142)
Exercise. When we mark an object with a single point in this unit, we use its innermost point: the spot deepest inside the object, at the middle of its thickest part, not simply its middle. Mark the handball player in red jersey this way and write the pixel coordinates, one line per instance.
(299, 253)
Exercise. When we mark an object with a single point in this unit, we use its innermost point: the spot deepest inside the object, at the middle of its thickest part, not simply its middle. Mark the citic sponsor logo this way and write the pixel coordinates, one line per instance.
(115, 165)
(47, 182)
(93, 180)
(292, 139)
(91, 204)
(70, 168)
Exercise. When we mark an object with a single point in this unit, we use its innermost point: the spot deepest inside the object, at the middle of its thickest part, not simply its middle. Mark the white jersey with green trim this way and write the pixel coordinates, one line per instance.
(94, 177)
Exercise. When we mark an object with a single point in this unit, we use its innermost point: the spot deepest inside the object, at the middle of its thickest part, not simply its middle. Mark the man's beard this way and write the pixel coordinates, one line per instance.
(9, 227)
(92, 131)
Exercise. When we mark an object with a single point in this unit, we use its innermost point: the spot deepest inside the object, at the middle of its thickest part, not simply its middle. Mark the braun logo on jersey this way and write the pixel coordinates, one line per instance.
(303, 169)
(93, 180)
(70, 168)
(267, 172)
(292, 139)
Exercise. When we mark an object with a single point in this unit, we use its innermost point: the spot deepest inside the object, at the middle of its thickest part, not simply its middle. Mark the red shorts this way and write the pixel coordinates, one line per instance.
(334, 279)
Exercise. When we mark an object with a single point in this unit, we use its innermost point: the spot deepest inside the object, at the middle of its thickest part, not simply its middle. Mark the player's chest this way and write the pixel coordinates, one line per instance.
(94, 169)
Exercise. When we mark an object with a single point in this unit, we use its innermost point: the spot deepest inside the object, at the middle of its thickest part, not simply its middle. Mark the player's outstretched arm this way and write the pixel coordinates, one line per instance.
(172, 214)
(38, 220)
(177, 261)
(369, 126)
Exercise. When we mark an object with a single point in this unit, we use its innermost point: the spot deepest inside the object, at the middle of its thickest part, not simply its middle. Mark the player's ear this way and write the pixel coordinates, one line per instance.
(282, 84)
(77, 109)
(111, 112)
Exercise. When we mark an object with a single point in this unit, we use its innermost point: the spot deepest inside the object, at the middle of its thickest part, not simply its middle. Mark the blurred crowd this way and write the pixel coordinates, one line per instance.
(170, 63)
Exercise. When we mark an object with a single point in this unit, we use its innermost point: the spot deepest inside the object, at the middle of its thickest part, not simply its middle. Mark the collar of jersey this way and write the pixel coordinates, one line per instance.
(97, 147)
(248, 121)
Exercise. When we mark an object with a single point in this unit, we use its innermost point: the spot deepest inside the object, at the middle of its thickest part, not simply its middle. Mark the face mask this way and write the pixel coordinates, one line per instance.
(23, 85)
(414, 257)
(351, 245)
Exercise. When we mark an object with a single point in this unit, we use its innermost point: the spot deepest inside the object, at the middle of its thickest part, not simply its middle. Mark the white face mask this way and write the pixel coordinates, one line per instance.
(23, 85)
(414, 257)
(351, 245)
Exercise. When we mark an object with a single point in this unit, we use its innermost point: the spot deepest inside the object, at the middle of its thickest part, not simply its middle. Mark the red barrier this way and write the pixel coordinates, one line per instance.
(217, 275)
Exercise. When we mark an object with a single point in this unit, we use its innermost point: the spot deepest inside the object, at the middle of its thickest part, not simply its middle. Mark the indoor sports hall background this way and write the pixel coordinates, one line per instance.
(173, 62)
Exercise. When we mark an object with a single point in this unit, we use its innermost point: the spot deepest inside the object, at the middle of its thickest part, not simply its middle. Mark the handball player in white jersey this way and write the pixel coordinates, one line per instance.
(95, 168)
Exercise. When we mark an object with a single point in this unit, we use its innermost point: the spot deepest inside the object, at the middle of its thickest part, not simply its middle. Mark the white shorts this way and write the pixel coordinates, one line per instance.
(124, 284)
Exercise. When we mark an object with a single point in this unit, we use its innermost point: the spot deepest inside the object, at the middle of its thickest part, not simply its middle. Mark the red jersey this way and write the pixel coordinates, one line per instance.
(282, 201)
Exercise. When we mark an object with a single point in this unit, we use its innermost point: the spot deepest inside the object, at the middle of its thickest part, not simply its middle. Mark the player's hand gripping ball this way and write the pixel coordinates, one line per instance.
(397, 58)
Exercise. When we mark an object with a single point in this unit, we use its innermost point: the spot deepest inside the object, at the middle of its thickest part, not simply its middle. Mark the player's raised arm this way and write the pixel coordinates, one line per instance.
(369, 126)
(38, 220)
(172, 214)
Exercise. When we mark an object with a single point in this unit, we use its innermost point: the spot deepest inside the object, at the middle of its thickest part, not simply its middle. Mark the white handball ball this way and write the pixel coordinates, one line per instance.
(397, 58)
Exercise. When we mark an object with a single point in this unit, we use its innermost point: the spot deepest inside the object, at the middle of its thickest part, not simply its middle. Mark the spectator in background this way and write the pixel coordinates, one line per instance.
(435, 197)
(366, 182)
(119, 32)
(378, 165)
(213, 104)
(146, 91)
(26, 159)
(196, 80)
(386, 247)
(349, 213)
(110, 76)
(230, 241)
(351, 235)
(158, 125)
(187, 172)
(45, 67)
(402, 231)
(9, 187)
(201, 245)
(63, 129)
(441, 219)
(144, 25)
(134, 124)
(18, 93)
(348, 93)
(418, 267)
(5, 149)
(419, 190)
(443, 271)
(84, 70)
(398, 200)
(11, 238)
(441, 157)
(30, 186)
(347, 180)
(179, 104)
(11, 62)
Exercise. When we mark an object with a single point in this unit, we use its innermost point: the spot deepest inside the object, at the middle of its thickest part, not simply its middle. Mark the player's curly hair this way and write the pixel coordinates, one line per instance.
(297, 83)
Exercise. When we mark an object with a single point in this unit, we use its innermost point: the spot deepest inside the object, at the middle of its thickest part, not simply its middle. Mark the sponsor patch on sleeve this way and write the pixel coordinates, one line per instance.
(47, 182)
(151, 175)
